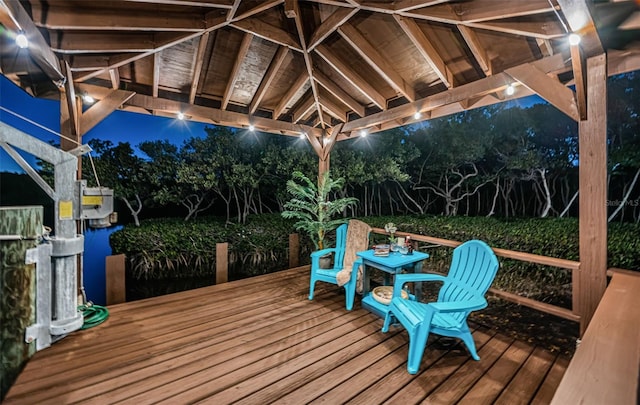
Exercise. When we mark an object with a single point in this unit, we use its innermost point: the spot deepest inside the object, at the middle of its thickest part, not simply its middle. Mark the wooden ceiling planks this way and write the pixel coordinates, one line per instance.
(312, 62)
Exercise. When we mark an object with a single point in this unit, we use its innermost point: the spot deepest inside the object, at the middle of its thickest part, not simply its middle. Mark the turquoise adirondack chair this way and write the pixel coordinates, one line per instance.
(350, 238)
(472, 270)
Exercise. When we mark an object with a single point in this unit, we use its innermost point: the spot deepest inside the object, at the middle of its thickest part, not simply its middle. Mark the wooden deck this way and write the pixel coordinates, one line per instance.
(259, 341)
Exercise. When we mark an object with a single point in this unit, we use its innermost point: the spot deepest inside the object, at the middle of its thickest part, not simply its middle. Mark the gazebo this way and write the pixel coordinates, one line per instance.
(330, 70)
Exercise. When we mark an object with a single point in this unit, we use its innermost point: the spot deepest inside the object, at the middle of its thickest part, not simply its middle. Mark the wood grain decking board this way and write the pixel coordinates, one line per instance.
(261, 341)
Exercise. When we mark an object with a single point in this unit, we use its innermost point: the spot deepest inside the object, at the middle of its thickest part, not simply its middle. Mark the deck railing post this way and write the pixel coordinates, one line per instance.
(115, 279)
(294, 250)
(222, 262)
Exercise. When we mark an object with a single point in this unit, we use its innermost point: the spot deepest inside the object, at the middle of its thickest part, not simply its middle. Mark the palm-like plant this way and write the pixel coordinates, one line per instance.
(312, 207)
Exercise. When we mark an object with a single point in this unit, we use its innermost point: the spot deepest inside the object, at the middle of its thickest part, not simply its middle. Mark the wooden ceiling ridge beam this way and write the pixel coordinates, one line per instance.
(294, 12)
(198, 59)
(76, 42)
(328, 26)
(453, 96)
(544, 30)
(235, 71)
(338, 92)
(426, 49)
(121, 61)
(270, 75)
(290, 94)
(371, 55)
(39, 49)
(351, 76)
(220, 117)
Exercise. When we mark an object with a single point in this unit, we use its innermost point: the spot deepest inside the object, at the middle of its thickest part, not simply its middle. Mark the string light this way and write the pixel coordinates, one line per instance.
(574, 39)
(22, 41)
(510, 90)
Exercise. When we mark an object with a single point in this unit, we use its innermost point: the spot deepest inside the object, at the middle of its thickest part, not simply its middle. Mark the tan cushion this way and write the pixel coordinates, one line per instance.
(357, 241)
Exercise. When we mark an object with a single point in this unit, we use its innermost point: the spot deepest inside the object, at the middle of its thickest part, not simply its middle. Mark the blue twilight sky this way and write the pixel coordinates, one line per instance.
(120, 126)
(41, 119)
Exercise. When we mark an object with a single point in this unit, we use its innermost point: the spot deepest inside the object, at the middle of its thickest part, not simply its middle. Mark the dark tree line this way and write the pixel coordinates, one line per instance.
(501, 160)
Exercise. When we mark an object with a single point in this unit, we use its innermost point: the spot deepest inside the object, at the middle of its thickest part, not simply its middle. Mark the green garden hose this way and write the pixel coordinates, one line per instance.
(93, 314)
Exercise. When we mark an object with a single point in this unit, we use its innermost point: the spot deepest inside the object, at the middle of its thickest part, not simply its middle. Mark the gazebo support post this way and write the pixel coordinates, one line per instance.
(589, 283)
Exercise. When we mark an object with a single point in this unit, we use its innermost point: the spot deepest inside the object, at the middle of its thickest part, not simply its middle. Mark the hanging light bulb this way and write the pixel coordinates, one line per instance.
(88, 99)
(574, 39)
(417, 115)
(510, 90)
(303, 135)
(251, 127)
(180, 116)
(22, 41)
(363, 133)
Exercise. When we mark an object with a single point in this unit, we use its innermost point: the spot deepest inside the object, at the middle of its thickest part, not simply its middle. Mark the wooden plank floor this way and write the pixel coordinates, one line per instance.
(260, 341)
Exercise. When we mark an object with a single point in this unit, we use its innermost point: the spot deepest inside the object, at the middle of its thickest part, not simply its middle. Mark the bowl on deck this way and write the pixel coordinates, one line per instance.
(383, 294)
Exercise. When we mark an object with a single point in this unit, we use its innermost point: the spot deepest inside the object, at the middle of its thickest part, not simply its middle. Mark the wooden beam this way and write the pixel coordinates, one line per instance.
(550, 89)
(102, 109)
(288, 96)
(198, 60)
(114, 75)
(39, 49)
(408, 5)
(72, 126)
(233, 77)
(544, 29)
(268, 78)
(328, 26)
(338, 92)
(485, 10)
(351, 76)
(426, 49)
(220, 117)
(581, 22)
(269, 32)
(590, 282)
(156, 73)
(370, 54)
(303, 109)
(101, 67)
(307, 60)
(259, 8)
(455, 95)
(332, 108)
(477, 49)
(577, 63)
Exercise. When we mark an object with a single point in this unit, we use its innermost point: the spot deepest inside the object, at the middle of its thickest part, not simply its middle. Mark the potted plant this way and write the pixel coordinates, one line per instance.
(312, 206)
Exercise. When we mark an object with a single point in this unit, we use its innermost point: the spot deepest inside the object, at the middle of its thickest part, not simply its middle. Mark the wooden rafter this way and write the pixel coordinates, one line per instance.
(157, 61)
(101, 110)
(478, 51)
(114, 75)
(351, 76)
(269, 32)
(338, 92)
(328, 26)
(233, 77)
(198, 59)
(426, 49)
(370, 54)
(290, 94)
(269, 76)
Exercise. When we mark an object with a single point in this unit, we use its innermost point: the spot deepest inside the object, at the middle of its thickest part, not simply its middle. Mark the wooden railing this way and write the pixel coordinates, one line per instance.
(510, 254)
(606, 365)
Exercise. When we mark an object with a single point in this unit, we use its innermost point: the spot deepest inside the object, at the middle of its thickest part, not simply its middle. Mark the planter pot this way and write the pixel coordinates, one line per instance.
(326, 261)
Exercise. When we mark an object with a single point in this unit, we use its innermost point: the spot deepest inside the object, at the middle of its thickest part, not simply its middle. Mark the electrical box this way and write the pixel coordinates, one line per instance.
(95, 204)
